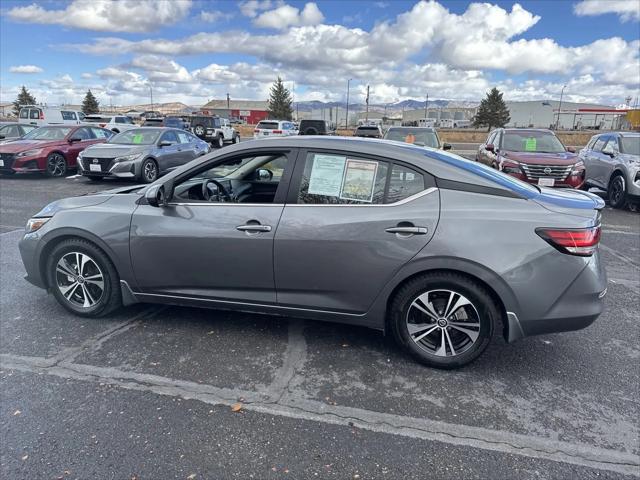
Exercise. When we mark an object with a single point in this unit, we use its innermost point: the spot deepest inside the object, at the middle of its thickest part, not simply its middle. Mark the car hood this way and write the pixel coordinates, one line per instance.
(576, 202)
(538, 158)
(71, 203)
(22, 145)
(629, 158)
(111, 150)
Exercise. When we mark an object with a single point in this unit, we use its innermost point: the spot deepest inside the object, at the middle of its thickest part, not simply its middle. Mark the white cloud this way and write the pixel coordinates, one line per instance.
(287, 16)
(25, 69)
(215, 16)
(87, 75)
(107, 15)
(625, 9)
(250, 8)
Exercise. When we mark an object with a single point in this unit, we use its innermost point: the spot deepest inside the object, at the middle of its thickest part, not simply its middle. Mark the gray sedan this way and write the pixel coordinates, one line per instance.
(141, 153)
(434, 249)
(612, 163)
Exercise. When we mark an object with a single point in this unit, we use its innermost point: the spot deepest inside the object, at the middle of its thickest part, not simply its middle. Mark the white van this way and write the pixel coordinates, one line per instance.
(115, 123)
(40, 115)
(274, 128)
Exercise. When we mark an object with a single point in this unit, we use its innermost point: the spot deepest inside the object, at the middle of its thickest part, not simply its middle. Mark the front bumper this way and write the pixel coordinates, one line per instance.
(110, 168)
(30, 254)
(12, 163)
(578, 307)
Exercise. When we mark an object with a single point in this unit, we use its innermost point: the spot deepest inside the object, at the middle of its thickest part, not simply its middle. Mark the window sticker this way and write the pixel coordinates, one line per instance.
(137, 138)
(530, 144)
(327, 175)
(359, 180)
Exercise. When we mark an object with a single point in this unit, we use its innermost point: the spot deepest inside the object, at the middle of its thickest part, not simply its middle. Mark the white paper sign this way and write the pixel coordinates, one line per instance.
(326, 175)
(359, 180)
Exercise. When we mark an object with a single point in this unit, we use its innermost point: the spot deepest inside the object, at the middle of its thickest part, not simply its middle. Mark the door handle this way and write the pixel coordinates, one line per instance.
(254, 228)
(407, 230)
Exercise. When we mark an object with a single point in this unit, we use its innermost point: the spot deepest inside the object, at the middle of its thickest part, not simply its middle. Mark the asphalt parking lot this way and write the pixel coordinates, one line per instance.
(148, 392)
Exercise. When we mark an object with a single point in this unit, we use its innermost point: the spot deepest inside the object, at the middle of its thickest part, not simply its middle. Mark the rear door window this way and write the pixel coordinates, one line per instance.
(403, 183)
(101, 132)
(66, 115)
(24, 113)
(169, 137)
(84, 134)
(184, 137)
(34, 113)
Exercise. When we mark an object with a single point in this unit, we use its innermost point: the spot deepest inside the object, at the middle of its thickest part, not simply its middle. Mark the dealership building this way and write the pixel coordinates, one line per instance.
(248, 110)
(568, 116)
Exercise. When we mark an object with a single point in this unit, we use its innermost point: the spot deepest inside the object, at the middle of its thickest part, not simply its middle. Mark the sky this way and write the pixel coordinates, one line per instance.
(192, 51)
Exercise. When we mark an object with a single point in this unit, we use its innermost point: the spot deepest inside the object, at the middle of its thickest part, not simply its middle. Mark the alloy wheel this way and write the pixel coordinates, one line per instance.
(616, 192)
(79, 279)
(443, 323)
(199, 130)
(149, 171)
(56, 165)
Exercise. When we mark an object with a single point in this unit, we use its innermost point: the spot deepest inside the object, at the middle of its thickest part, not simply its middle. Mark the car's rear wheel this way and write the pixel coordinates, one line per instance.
(617, 192)
(83, 279)
(56, 165)
(444, 320)
(149, 171)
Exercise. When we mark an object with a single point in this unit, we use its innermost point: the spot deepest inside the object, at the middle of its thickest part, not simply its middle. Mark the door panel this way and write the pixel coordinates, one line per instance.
(339, 257)
(197, 250)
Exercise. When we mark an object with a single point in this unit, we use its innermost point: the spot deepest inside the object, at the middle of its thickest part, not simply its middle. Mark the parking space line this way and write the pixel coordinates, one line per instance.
(95, 342)
(297, 406)
(620, 256)
(12, 231)
(620, 232)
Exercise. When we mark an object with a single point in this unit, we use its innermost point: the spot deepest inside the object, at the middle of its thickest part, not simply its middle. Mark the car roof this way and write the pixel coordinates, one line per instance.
(628, 134)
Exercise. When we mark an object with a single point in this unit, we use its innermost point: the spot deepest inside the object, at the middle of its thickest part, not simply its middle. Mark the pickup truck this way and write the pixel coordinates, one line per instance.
(214, 130)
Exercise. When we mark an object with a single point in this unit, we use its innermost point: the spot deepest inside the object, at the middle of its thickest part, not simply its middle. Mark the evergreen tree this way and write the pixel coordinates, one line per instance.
(24, 98)
(90, 104)
(280, 101)
(492, 112)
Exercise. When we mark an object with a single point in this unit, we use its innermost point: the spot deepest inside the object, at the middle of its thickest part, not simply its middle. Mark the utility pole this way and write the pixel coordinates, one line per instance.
(560, 107)
(151, 94)
(426, 106)
(346, 120)
(228, 102)
(366, 116)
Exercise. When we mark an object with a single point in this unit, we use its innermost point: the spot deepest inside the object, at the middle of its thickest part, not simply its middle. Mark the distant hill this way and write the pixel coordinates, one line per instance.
(390, 107)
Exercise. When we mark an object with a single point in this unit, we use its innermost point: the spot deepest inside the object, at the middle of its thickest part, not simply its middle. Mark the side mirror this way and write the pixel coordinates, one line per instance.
(165, 143)
(489, 147)
(75, 139)
(155, 196)
(446, 146)
(571, 150)
(611, 153)
(264, 175)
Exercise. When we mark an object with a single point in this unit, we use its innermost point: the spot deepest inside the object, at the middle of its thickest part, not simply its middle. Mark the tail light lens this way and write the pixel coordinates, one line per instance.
(582, 242)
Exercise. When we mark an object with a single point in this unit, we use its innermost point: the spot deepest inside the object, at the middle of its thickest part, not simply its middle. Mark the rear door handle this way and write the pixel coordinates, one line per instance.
(254, 228)
(407, 230)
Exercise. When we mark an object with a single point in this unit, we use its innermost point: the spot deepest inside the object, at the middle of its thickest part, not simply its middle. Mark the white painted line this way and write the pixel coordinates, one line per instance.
(620, 256)
(298, 407)
(621, 232)
(12, 231)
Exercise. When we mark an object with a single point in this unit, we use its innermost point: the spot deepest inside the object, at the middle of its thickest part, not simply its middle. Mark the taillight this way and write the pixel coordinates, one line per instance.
(276, 131)
(41, 115)
(102, 124)
(256, 131)
(582, 242)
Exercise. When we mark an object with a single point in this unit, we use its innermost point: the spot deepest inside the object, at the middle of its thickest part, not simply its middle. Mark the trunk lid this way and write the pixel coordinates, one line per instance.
(572, 202)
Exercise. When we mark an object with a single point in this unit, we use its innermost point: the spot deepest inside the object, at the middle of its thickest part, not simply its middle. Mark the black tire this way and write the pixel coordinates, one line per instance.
(236, 139)
(219, 141)
(149, 171)
(7, 173)
(56, 165)
(481, 301)
(310, 131)
(110, 298)
(617, 191)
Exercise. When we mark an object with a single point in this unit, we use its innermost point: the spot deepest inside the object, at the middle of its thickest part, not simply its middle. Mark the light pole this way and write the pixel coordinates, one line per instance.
(560, 106)
(151, 94)
(426, 106)
(346, 120)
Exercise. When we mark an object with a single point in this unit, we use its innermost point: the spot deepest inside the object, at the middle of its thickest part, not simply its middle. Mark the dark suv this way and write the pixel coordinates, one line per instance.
(315, 127)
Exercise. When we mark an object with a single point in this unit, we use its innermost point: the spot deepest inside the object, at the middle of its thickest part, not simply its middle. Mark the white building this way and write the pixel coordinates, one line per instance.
(576, 116)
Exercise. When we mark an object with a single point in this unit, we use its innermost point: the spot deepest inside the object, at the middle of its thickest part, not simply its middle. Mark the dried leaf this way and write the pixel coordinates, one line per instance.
(25, 457)
(17, 412)
(236, 407)
(191, 477)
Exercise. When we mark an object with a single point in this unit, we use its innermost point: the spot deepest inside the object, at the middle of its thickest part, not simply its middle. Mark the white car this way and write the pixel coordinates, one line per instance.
(115, 123)
(274, 128)
(40, 115)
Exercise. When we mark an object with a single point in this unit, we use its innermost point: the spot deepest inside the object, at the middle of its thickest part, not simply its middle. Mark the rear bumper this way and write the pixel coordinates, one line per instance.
(578, 307)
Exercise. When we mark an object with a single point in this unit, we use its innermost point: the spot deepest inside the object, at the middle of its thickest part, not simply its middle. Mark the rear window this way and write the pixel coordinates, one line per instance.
(268, 125)
(66, 115)
(34, 113)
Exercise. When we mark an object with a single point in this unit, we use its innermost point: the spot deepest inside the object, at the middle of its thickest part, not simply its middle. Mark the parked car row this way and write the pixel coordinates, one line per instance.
(143, 153)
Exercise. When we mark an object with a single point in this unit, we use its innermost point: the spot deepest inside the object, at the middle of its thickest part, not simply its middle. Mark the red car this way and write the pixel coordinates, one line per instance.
(534, 156)
(52, 149)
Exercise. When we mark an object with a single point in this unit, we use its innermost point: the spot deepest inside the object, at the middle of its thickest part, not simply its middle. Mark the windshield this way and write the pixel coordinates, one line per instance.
(422, 138)
(630, 145)
(48, 133)
(532, 141)
(139, 136)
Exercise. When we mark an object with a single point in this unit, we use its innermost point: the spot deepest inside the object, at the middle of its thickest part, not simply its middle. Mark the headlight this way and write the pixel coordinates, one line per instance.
(574, 170)
(34, 224)
(29, 153)
(128, 158)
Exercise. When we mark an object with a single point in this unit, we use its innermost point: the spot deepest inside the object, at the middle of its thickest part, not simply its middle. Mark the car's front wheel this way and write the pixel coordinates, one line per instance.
(83, 279)
(617, 192)
(444, 320)
(149, 171)
(220, 141)
(199, 130)
(56, 165)
(236, 139)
